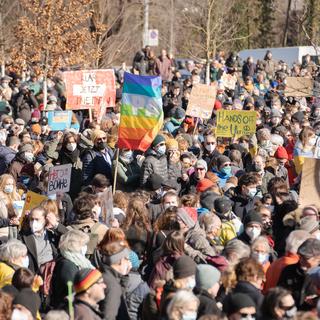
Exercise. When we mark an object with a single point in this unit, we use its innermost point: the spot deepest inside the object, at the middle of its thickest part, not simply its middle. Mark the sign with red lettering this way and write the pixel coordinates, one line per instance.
(87, 89)
(59, 179)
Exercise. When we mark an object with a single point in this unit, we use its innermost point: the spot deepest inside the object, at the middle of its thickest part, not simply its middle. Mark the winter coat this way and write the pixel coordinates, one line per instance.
(6, 156)
(18, 166)
(207, 199)
(7, 271)
(210, 158)
(114, 305)
(162, 68)
(85, 311)
(136, 291)
(94, 162)
(64, 271)
(248, 69)
(137, 240)
(128, 175)
(241, 204)
(249, 289)
(208, 305)
(265, 180)
(154, 163)
(196, 244)
(269, 67)
(299, 283)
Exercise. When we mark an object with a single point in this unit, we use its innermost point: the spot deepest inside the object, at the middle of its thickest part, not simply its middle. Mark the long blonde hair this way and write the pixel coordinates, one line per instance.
(9, 197)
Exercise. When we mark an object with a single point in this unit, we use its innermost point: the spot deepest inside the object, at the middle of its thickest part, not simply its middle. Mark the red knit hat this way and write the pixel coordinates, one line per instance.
(204, 184)
(217, 105)
(281, 153)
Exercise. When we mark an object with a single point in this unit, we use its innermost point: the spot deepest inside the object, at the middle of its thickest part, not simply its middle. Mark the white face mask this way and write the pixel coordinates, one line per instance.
(25, 262)
(71, 146)
(191, 283)
(253, 233)
(83, 250)
(312, 141)
(261, 257)
(36, 226)
(8, 188)
(189, 316)
(34, 119)
(97, 211)
(210, 147)
(28, 156)
(18, 315)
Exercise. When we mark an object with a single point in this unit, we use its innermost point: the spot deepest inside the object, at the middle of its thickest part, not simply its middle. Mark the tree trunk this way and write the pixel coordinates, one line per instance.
(285, 34)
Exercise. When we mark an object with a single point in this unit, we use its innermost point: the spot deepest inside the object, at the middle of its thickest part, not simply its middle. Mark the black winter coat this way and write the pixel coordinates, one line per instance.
(207, 304)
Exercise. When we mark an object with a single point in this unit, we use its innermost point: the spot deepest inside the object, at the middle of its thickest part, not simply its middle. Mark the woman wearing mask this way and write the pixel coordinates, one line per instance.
(261, 251)
(70, 154)
(72, 247)
(8, 196)
(304, 147)
(224, 170)
(278, 304)
(128, 173)
(252, 224)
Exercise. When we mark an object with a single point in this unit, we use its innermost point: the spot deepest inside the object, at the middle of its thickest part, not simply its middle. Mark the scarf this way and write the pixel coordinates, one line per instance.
(77, 258)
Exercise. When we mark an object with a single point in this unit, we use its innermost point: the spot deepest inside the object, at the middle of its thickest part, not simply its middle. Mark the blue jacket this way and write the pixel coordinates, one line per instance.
(6, 156)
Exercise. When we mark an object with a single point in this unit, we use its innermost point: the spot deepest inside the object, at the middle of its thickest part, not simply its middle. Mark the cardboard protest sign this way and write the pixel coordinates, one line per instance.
(201, 101)
(106, 199)
(87, 89)
(235, 123)
(59, 179)
(298, 87)
(229, 81)
(18, 206)
(32, 201)
(310, 182)
(59, 120)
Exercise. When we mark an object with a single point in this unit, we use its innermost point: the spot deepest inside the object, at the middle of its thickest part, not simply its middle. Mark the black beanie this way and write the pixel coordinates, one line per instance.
(155, 182)
(184, 267)
(29, 299)
(237, 301)
(252, 216)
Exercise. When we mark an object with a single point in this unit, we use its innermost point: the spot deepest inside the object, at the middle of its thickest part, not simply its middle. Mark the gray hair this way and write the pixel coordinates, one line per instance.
(180, 300)
(236, 246)
(209, 221)
(73, 241)
(12, 250)
(295, 239)
(261, 240)
(56, 315)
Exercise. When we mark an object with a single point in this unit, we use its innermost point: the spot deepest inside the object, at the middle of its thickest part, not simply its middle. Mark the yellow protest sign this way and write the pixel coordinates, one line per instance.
(235, 123)
(32, 200)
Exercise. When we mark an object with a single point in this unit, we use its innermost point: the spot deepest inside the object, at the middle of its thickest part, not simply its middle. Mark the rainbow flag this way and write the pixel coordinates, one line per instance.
(141, 112)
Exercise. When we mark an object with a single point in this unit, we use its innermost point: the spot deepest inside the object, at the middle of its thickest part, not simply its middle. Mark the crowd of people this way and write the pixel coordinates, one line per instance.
(199, 226)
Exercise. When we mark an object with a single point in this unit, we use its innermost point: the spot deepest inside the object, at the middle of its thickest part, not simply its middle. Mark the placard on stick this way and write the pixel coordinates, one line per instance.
(299, 87)
(310, 182)
(59, 179)
(235, 123)
(59, 120)
(201, 101)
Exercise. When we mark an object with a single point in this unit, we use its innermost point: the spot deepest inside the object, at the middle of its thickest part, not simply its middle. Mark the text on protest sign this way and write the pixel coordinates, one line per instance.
(59, 179)
(87, 89)
(201, 101)
(232, 123)
(59, 120)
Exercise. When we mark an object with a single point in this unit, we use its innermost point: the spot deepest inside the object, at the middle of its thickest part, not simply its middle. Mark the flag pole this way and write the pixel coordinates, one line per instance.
(195, 126)
(90, 114)
(115, 172)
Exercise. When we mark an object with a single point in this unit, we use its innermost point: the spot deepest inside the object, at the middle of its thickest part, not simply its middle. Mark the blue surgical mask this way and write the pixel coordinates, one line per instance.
(189, 316)
(226, 170)
(252, 192)
(161, 150)
(191, 283)
(8, 188)
(52, 196)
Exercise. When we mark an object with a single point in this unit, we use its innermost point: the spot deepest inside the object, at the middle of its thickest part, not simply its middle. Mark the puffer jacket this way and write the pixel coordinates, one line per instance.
(154, 163)
(197, 245)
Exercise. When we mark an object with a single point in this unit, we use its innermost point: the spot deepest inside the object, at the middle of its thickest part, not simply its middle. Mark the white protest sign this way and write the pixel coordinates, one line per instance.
(59, 179)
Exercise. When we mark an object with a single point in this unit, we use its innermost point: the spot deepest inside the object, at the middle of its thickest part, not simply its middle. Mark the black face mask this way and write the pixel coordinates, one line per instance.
(101, 145)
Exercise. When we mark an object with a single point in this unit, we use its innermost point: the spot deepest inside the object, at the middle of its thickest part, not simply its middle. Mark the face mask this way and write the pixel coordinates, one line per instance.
(261, 257)
(28, 156)
(25, 262)
(34, 136)
(5, 85)
(189, 316)
(19, 315)
(248, 317)
(34, 119)
(161, 150)
(101, 145)
(252, 192)
(8, 188)
(226, 170)
(97, 210)
(52, 196)
(6, 125)
(312, 142)
(210, 147)
(84, 250)
(71, 146)
(36, 226)
(191, 283)
(290, 314)
(25, 180)
(127, 157)
(253, 233)
(281, 164)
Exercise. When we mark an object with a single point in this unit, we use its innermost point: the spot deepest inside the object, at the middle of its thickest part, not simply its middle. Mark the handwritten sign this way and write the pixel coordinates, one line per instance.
(201, 101)
(299, 87)
(59, 120)
(229, 81)
(87, 89)
(232, 123)
(310, 182)
(59, 179)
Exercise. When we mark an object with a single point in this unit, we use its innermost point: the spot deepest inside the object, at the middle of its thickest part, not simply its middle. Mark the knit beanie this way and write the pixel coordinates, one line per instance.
(36, 114)
(222, 160)
(206, 276)
(204, 184)
(186, 219)
(281, 153)
(85, 278)
(252, 217)
(134, 259)
(172, 144)
(155, 182)
(29, 299)
(158, 139)
(237, 301)
(184, 267)
(201, 164)
(36, 128)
